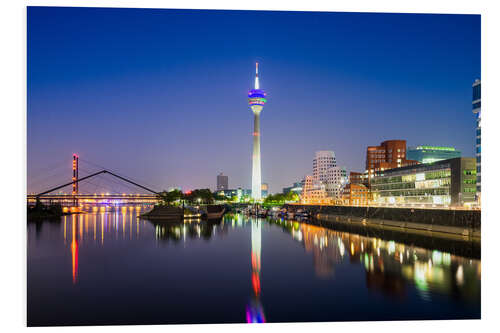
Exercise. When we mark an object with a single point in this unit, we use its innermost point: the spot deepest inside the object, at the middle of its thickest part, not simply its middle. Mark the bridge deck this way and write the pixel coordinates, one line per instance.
(69, 199)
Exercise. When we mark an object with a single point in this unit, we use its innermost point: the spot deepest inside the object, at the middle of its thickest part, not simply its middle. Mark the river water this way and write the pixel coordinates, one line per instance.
(113, 268)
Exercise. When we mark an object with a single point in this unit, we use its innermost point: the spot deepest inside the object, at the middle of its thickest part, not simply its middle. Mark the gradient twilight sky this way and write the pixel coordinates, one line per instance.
(161, 95)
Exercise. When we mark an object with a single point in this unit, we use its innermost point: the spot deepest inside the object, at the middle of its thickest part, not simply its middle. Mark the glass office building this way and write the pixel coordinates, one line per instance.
(296, 188)
(447, 182)
(239, 192)
(430, 154)
(476, 109)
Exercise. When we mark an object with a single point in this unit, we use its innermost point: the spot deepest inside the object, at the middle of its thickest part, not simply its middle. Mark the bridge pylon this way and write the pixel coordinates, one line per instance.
(75, 179)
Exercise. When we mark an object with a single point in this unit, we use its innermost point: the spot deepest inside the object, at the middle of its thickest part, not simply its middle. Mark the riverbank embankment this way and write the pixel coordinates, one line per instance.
(462, 223)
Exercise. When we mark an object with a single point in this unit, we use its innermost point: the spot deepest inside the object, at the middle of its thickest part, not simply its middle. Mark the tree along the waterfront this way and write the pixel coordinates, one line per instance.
(199, 196)
(220, 197)
(40, 210)
(169, 197)
(280, 198)
(175, 197)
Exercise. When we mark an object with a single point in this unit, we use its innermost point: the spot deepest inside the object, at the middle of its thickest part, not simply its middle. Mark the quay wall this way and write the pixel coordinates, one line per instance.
(446, 221)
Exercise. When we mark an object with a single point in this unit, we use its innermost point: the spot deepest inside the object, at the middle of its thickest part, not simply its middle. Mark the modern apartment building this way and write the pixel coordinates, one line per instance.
(323, 160)
(313, 192)
(326, 171)
(335, 180)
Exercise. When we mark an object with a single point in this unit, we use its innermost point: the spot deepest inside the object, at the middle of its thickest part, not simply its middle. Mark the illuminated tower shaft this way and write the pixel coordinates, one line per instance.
(256, 175)
(256, 100)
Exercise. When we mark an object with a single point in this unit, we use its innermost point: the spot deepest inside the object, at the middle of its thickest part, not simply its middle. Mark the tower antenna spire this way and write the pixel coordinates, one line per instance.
(257, 75)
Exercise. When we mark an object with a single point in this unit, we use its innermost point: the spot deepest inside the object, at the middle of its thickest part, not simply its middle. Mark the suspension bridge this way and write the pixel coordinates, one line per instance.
(114, 189)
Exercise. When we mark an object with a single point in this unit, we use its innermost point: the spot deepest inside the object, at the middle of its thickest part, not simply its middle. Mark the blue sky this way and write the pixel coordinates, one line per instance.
(160, 95)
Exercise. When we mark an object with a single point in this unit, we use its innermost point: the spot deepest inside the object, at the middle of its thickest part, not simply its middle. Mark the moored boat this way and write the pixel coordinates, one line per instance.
(215, 212)
(164, 213)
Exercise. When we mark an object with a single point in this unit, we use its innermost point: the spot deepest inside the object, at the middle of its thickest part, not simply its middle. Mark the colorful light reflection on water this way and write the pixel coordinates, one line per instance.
(118, 269)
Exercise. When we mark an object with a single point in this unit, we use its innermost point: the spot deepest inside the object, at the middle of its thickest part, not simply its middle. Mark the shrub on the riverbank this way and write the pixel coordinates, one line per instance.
(41, 210)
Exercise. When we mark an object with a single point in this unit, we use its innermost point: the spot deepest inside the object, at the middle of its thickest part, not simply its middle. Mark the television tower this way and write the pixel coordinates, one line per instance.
(256, 100)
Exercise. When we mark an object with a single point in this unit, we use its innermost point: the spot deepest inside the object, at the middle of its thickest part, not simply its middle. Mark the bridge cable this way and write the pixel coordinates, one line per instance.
(117, 173)
(35, 187)
(93, 175)
(97, 186)
(53, 166)
(70, 183)
(34, 182)
(120, 184)
(109, 190)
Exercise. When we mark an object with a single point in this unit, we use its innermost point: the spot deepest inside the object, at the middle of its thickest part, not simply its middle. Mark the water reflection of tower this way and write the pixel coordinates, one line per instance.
(74, 247)
(256, 242)
(254, 311)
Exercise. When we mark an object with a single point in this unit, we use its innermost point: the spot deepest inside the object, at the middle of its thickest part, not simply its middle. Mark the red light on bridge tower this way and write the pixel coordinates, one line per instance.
(75, 176)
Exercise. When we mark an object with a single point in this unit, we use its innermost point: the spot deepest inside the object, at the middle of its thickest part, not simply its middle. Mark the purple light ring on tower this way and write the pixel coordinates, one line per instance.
(257, 93)
(257, 97)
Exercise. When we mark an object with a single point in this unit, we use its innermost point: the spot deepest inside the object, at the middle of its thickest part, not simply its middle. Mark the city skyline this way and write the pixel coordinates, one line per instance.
(150, 164)
(150, 99)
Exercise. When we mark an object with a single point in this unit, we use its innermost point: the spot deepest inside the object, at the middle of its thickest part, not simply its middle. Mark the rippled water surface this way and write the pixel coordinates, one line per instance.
(113, 268)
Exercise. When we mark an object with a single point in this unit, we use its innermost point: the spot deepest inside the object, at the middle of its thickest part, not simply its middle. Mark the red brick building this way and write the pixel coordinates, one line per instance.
(389, 154)
(355, 195)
